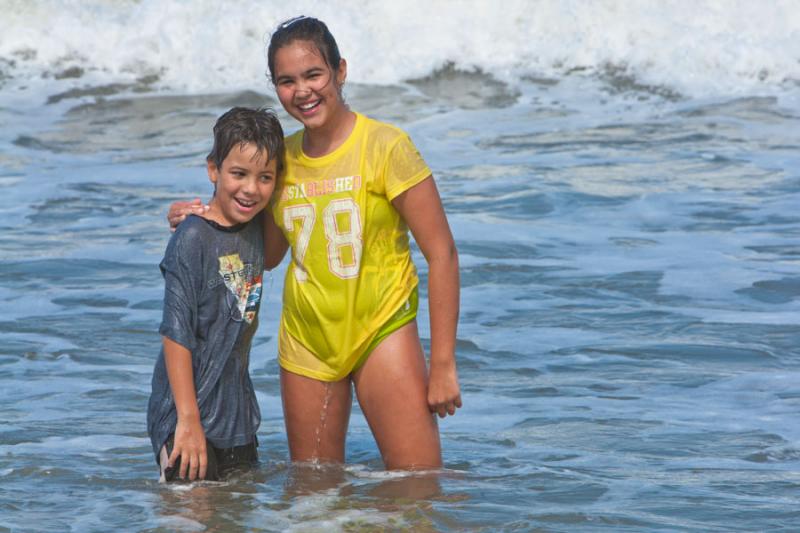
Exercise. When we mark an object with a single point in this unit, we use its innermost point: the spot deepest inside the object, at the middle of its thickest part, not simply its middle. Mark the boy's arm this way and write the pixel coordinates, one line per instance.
(190, 440)
(421, 209)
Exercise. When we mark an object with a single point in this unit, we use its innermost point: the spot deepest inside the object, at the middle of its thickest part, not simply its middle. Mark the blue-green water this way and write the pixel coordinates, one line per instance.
(628, 344)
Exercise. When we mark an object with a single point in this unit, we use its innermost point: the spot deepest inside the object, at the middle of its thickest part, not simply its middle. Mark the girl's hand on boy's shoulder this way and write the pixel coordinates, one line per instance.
(178, 211)
(190, 446)
(444, 394)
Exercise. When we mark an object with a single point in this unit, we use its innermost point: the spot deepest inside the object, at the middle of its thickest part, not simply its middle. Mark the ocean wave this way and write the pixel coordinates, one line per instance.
(670, 47)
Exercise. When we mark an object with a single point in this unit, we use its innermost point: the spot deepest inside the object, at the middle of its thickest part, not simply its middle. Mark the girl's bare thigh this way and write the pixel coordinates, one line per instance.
(392, 388)
(316, 414)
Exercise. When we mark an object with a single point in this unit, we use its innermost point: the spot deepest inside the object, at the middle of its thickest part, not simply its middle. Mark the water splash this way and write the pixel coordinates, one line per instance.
(323, 416)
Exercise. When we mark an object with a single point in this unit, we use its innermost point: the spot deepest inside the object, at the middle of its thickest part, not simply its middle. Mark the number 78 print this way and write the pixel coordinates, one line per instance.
(338, 240)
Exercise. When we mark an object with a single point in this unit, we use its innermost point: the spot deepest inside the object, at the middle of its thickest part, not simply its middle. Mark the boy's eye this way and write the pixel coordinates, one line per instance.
(266, 178)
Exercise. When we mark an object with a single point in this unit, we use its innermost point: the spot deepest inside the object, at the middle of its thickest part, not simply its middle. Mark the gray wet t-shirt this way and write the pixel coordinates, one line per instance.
(212, 281)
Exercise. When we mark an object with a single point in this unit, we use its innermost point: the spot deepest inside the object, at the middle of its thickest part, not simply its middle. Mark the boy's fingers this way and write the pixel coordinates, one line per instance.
(202, 461)
(191, 470)
(184, 469)
(194, 467)
(203, 466)
(172, 457)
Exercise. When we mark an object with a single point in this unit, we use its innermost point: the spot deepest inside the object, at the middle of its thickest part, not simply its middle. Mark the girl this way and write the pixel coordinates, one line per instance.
(352, 189)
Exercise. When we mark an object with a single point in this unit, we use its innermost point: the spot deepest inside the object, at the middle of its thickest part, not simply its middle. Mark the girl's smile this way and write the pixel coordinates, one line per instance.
(307, 87)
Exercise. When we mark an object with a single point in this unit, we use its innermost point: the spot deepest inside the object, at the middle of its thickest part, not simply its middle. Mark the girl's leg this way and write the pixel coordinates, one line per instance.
(392, 388)
(316, 414)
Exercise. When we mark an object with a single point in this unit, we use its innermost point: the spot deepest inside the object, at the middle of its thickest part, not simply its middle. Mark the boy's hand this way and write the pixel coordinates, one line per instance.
(444, 394)
(178, 211)
(190, 446)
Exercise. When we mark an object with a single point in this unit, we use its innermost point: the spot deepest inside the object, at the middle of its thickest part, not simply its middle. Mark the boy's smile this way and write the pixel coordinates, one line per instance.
(244, 185)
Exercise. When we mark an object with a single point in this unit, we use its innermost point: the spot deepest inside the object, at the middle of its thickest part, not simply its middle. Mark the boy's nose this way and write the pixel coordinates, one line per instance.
(249, 186)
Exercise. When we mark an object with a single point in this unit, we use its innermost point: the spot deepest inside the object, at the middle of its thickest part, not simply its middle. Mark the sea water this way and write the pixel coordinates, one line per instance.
(622, 182)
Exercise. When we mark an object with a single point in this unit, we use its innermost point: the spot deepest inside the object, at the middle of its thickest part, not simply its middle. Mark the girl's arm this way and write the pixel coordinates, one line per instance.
(178, 211)
(190, 439)
(275, 243)
(421, 209)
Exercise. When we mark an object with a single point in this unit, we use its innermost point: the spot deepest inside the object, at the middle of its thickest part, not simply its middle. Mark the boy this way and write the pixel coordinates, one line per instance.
(203, 415)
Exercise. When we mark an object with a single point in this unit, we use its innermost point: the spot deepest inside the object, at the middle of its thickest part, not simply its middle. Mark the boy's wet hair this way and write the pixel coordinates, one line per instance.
(303, 28)
(243, 125)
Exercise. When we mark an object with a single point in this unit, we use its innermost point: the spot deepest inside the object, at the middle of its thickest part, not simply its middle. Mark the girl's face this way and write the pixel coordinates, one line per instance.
(307, 86)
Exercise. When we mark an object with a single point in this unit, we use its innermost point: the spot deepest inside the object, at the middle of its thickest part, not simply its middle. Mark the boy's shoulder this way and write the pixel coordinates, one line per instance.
(198, 233)
(189, 238)
(194, 227)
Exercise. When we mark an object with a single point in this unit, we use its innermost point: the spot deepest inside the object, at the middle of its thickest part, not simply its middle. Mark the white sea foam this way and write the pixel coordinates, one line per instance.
(83, 444)
(713, 47)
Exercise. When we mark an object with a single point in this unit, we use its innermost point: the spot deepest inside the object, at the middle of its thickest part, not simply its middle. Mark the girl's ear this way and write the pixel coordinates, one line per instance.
(341, 72)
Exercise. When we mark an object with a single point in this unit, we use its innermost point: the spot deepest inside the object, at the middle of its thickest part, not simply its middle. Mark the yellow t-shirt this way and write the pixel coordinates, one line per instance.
(351, 267)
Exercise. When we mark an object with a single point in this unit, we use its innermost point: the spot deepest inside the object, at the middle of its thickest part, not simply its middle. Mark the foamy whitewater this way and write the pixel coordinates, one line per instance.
(729, 47)
(622, 182)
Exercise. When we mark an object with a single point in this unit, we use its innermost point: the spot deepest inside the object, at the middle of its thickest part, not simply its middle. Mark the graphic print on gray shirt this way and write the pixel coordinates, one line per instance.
(212, 293)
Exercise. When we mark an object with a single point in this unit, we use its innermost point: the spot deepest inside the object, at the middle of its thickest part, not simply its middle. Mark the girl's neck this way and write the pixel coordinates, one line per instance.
(321, 141)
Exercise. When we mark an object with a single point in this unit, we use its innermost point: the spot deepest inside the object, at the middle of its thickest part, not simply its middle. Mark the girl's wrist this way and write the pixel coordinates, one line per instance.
(442, 361)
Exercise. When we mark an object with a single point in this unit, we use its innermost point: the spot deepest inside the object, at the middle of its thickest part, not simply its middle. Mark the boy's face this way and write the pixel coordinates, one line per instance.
(244, 185)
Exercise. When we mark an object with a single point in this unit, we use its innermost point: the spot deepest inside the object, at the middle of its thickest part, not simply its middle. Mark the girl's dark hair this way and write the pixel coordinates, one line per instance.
(243, 125)
(303, 29)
